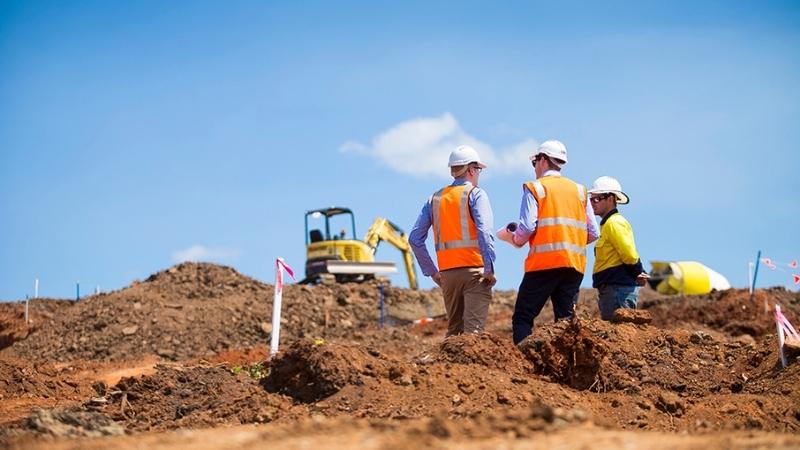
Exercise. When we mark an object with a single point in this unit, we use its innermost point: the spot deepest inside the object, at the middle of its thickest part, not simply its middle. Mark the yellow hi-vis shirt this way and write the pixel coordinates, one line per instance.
(616, 250)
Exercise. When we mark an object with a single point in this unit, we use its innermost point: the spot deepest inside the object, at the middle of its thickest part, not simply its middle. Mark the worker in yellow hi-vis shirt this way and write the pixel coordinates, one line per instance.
(618, 271)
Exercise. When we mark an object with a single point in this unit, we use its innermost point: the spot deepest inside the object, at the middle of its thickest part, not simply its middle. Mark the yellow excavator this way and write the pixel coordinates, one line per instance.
(344, 258)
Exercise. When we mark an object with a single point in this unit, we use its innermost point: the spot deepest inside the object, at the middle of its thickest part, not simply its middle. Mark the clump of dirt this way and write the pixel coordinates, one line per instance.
(638, 316)
(574, 357)
(190, 397)
(312, 370)
(484, 349)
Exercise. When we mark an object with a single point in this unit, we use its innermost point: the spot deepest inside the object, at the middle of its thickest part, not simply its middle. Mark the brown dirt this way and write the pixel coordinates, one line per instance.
(702, 365)
(12, 318)
(198, 310)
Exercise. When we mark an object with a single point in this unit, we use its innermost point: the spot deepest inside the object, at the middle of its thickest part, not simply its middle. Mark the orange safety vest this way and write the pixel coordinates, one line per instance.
(454, 232)
(560, 236)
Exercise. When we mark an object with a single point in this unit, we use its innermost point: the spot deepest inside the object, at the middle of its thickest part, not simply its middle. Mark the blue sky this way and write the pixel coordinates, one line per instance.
(137, 134)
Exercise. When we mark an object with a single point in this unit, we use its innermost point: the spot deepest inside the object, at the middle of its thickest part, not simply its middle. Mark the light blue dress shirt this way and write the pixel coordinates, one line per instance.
(482, 215)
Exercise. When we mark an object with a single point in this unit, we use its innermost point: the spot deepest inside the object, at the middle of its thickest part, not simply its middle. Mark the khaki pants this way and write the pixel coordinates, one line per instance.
(466, 300)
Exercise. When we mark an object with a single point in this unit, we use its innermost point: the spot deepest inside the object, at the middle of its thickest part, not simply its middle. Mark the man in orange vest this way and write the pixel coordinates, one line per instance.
(461, 217)
(557, 222)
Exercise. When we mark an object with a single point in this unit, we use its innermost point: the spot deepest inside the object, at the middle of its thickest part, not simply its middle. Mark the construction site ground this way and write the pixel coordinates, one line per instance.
(180, 361)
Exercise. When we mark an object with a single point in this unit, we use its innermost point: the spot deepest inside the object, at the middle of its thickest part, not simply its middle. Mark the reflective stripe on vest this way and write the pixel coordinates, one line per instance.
(550, 221)
(560, 237)
(542, 248)
(454, 231)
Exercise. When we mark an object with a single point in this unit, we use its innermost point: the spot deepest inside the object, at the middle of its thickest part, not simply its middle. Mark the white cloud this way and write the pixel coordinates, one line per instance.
(198, 253)
(420, 147)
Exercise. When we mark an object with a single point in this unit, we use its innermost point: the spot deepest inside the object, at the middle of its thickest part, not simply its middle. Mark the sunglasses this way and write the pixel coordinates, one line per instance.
(600, 198)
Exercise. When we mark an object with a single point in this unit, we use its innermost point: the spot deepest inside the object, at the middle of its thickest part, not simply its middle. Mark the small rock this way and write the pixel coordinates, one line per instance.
(671, 403)
(729, 408)
(503, 398)
(98, 400)
(466, 388)
(127, 331)
(457, 400)
(705, 356)
(266, 327)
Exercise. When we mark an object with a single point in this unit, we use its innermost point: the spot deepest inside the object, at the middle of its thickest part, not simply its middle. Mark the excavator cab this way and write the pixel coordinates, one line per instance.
(342, 257)
(325, 215)
(332, 254)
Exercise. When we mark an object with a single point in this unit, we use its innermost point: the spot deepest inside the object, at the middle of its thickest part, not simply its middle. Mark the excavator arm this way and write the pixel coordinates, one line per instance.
(384, 230)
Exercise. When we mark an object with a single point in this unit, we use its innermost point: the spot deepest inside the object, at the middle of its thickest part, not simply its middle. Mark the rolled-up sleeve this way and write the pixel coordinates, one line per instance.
(417, 237)
(481, 210)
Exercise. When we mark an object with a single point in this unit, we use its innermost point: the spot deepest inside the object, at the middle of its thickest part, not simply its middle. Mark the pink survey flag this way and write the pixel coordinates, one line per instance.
(281, 264)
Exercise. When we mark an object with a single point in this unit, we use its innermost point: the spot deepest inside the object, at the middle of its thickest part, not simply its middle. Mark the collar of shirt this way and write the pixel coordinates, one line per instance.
(551, 173)
(607, 216)
(460, 181)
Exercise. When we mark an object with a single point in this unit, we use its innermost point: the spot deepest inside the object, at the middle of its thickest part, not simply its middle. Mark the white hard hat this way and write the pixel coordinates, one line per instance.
(554, 149)
(608, 185)
(463, 155)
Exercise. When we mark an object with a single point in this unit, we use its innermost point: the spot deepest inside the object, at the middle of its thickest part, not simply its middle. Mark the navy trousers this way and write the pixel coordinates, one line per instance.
(561, 285)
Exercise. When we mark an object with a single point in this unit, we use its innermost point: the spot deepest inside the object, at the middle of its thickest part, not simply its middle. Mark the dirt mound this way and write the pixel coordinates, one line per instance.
(189, 397)
(12, 318)
(196, 310)
(484, 349)
(603, 356)
(731, 312)
(312, 370)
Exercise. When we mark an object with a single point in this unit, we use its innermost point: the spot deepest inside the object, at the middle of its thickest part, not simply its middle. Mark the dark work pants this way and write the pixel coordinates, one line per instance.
(561, 285)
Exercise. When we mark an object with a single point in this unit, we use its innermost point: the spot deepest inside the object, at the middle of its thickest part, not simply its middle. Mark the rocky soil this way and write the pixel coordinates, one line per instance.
(186, 350)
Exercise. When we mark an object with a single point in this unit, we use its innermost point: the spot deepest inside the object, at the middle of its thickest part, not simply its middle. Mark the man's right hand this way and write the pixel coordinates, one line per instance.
(437, 278)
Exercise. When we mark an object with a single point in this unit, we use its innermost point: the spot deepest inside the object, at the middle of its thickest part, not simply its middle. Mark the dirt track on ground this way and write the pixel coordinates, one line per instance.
(186, 350)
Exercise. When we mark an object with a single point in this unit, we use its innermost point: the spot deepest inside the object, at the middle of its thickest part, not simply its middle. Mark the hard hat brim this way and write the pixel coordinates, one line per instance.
(480, 164)
(622, 198)
(557, 161)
